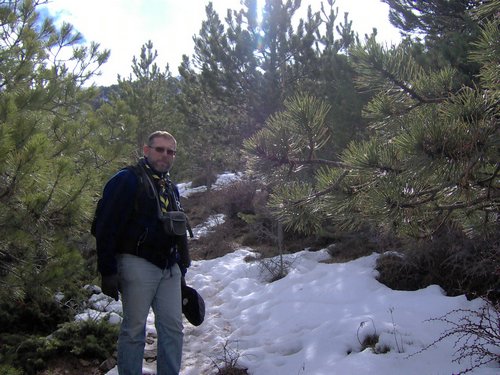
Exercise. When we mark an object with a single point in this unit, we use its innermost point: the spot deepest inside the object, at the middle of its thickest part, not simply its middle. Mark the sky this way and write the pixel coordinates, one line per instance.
(311, 321)
(124, 26)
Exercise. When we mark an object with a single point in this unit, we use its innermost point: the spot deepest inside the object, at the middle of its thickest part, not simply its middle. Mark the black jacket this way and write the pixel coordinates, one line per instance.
(128, 223)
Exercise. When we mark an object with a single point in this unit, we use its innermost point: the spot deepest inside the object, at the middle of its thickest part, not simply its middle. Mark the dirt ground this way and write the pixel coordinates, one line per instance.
(68, 365)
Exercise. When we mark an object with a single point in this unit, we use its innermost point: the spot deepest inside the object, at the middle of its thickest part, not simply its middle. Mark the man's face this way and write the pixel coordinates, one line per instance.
(160, 154)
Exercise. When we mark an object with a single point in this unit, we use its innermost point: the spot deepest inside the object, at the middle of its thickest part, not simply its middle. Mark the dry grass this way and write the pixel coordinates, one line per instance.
(247, 223)
(456, 263)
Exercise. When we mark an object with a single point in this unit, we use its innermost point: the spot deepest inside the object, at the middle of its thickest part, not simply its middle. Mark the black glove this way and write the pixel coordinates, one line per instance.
(109, 286)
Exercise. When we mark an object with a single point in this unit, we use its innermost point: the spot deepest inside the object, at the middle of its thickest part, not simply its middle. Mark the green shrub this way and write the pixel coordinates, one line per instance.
(86, 340)
(9, 370)
(29, 355)
(32, 316)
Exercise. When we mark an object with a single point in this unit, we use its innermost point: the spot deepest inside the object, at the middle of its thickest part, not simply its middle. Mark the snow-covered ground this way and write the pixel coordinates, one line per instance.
(313, 320)
(185, 189)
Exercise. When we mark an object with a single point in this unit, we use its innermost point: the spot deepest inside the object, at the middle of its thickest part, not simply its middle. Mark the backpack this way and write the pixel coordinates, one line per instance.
(138, 171)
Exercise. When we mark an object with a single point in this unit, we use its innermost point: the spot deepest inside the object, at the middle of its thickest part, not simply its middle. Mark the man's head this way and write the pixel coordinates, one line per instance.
(160, 151)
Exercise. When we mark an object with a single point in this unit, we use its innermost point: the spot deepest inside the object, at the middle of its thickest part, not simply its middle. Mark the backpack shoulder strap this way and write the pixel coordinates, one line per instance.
(142, 183)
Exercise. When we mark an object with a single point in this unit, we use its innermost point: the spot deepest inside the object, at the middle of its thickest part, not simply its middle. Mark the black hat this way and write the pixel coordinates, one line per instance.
(193, 305)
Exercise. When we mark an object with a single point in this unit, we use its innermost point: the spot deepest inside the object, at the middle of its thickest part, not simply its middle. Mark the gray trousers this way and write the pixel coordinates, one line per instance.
(143, 285)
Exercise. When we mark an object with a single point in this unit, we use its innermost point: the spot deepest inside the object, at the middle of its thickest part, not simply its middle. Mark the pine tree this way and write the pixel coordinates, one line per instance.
(327, 74)
(148, 92)
(447, 27)
(46, 150)
(211, 133)
(432, 159)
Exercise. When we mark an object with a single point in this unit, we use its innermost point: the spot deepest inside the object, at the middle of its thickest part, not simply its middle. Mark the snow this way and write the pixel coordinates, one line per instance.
(313, 320)
(208, 225)
(223, 179)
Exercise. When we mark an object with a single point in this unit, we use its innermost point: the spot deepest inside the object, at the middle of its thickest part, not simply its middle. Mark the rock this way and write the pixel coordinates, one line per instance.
(150, 355)
(108, 364)
(92, 289)
(85, 363)
(114, 318)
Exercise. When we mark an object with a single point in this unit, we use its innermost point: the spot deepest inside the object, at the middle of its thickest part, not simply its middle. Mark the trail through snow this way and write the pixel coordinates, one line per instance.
(312, 321)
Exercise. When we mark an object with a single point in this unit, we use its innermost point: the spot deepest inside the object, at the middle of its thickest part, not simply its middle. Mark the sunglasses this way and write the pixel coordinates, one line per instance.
(162, 150)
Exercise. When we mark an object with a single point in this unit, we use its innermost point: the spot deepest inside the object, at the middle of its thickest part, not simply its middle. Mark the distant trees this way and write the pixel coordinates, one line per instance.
(244, 70)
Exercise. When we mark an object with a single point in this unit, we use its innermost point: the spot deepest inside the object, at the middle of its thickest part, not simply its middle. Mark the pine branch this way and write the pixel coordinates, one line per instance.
(316, 161)
(492, 179)
(406, 88)
(460, 205)
(415, 204)
(428, 234)
(326, 191)
(285, 160)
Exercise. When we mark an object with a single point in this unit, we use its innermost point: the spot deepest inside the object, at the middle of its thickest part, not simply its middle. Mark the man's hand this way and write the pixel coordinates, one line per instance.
(109, 286)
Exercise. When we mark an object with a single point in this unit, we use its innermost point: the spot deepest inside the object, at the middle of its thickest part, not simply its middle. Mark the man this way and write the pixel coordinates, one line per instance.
(138, 258)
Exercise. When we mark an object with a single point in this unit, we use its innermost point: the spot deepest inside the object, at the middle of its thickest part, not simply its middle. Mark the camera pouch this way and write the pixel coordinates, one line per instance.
(174, 223)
